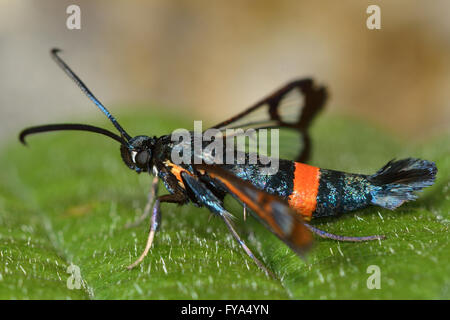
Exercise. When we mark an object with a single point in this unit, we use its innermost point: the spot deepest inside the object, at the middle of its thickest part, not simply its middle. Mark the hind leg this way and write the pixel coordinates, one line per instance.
(327, 235)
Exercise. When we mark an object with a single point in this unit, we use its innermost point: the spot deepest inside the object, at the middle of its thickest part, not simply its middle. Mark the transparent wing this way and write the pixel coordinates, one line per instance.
(290, 109)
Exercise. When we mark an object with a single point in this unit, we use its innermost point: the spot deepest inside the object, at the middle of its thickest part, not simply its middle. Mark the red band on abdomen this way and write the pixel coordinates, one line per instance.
(303, 198)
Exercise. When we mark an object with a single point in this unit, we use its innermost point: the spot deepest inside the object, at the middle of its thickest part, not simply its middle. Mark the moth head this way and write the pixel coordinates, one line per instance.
(138, 154)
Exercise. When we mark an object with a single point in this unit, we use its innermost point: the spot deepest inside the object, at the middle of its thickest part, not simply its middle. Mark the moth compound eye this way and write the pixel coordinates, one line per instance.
(142, 158)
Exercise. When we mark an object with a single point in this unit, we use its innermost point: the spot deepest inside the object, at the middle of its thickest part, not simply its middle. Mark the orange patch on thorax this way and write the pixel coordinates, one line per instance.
(176, 171)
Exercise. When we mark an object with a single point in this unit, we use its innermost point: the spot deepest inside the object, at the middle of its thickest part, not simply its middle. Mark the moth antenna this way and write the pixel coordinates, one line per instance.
(54, 54)
(69, 126)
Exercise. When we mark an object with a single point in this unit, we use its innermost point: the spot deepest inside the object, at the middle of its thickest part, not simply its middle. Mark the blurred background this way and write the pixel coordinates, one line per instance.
(211, 59)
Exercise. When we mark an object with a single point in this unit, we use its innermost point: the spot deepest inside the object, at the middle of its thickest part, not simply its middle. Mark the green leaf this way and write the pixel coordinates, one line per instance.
(66, 198)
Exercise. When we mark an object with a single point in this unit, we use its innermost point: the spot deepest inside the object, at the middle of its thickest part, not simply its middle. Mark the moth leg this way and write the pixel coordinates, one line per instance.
(151, 196)
(209, 200)
(327, 235)
(154, 225)
(244, 246)
(155, 222)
